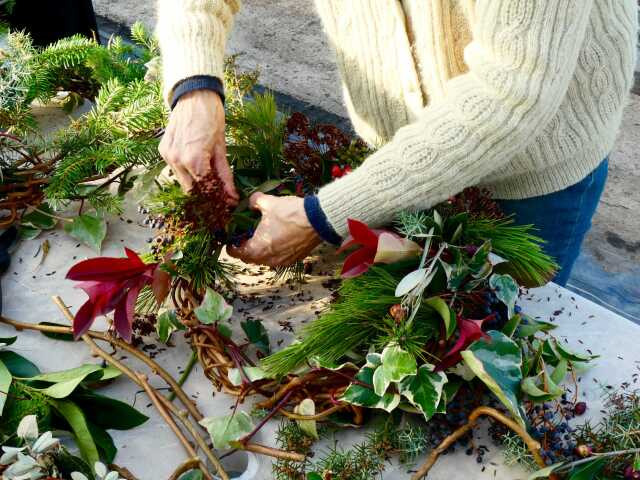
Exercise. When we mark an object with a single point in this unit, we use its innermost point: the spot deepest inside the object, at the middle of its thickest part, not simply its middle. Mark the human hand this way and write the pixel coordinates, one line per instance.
(284, 234)
(194, 141)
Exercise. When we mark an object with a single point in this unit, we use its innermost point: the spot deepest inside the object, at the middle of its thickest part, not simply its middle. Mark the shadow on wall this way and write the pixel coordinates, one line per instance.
(618, 292)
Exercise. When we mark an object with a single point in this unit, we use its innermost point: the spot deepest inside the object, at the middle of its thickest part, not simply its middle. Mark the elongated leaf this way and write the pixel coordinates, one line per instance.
(18, 365)
(106, 448)
(76, 420)
(560, 372)
(257, 334)
(108, 413)
(213, 308)
(589, 470)
(529, 327)
(5, 384)
(6, 341)
(541, 388)
(252, 373)
(512, 325)
(448, 316)
(192, 475)
(66, 381)
(364, 396)
(506, 289)
(226, 430)
(410, 281)
(424, 389)
(497, 362)
(545, 472)
(568, 354)
(88, 229)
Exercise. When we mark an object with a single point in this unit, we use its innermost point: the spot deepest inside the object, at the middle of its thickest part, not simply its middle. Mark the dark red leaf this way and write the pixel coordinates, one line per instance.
(470, 331)
(83, 319)
(358, 262)
(160, 285)
(362, 234)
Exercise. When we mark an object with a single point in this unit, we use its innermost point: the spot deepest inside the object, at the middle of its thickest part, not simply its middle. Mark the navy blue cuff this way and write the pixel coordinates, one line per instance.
(319, 222)
(197, 82)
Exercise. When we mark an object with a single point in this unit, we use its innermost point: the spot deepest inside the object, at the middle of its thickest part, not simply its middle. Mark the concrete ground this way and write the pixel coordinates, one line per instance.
(284, 39)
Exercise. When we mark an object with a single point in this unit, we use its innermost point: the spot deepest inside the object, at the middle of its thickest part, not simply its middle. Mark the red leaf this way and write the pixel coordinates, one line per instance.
(470, 331)
(362, 234)
(83, 319)
(160, 285)
(109, 268)
(358, 262)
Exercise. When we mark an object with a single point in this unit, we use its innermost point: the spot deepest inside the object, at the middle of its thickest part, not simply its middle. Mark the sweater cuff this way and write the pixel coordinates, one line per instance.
(196, 82)
(319, 222)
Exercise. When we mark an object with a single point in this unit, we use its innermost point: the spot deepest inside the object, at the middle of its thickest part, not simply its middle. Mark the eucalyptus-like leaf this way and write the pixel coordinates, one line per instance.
(506, 289)
(213, 308)
(228, 429)
(410, 281)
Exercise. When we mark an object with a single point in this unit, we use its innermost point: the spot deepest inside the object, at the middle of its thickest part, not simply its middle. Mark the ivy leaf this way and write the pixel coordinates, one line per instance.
(364, 396)
(506, 289)
(78, 423)
(40, 219)
(307, 407)
(424, 390)
(166, 324)
(257, 334)
(497, 361)
(88, 229)
(396, 365)
(252, 373)
(448, 315)
(5, 384)
(213, 308)
(226, 430)
(28, 233)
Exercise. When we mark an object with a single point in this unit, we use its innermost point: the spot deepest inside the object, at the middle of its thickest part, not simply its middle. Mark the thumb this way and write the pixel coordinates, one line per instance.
(260, 201)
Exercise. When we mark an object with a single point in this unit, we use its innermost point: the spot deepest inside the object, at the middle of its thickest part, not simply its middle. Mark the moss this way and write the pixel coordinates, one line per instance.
(23, 401)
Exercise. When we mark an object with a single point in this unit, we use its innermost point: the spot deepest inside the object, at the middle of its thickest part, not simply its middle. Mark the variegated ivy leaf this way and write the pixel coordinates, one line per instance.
(228, 429)
(307, 407)
(362, 393)
(213, 308)
(506, 289)
(424, 389)
(252, 373)
(396, 365)
(498, 363)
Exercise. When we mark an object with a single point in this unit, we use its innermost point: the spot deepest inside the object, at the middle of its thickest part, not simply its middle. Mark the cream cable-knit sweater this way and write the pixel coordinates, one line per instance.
(523, 97)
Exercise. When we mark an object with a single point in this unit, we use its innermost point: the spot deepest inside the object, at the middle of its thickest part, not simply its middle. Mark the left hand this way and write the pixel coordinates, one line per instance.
(284, 235)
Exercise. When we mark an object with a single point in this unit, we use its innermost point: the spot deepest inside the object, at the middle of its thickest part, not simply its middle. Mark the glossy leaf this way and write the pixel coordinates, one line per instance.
(506, 289)
(18, 365)
(104, 442)
(66, 381)
(257, 334)
(545, 472)
(107, 412)
(6, 341)
(396, 365)
(424, 389)
(5, 384)
(76, 420)
(63, 337)
(213, 308)
(588, 471)
(226, 430)
(566, 353)
(364, 396)
(511, 326)
(40, 219)
(307, 407)
(252, 373)
(529, 327)
(448, 316)
(469, 332)
(88, 229)
(497, 361)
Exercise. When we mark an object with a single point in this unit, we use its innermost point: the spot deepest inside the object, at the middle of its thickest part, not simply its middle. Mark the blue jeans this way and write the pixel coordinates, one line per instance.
(562, 218)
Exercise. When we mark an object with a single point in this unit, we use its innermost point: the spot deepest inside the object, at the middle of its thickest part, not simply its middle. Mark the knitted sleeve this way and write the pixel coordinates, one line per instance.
(521, 62)
(192, 36)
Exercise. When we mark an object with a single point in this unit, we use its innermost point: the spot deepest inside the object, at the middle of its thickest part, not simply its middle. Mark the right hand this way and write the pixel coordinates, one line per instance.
(194, 141)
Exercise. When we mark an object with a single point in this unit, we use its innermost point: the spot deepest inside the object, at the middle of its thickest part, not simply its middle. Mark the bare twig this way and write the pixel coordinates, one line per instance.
(273, 452)
(190, 464)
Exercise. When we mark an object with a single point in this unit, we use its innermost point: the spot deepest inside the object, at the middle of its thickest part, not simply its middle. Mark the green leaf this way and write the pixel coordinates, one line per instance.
(64, 337)
(109, 413)
(39, 219)
(361, 395)
(5, 384)
(479, 265)
(545, 472)
(252, 373)
(512, 325)
(314, 476)
(307, 407)
(541, 388)
(226, 430)
(106, 448)
(18, 365)
(224, 330)
(76, 420)
(497, 362)
(448, 316)
(531, 327)
(396, 365)
(560, 372)
(566, 353)
(88, 229)
(192, 475)
(506, 289)
(213, 308)
(589, 470)
(257, 334)
(410, 281)
(6, 341)
(66, 381)
(28, 233)
(424, 389)
(166, 324)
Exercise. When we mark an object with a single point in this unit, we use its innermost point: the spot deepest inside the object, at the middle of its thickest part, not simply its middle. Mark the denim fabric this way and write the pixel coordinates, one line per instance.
(562, 218)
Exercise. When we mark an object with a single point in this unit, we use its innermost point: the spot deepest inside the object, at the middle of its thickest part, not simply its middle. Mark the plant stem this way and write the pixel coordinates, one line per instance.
(268, 417)
(188, 465)
(274, 452)
(62, 219)
(572, 465)
(187, 371)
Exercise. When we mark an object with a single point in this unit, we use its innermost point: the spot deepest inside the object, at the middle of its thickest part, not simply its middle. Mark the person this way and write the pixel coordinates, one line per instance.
(523, 98)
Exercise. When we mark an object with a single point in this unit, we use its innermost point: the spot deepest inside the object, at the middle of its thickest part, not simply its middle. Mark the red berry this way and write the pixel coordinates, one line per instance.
(336, 171)
(347, 169)
(580, 408)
